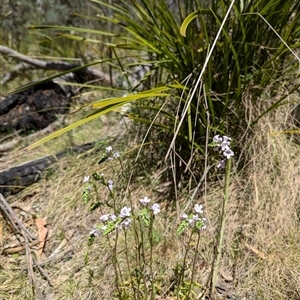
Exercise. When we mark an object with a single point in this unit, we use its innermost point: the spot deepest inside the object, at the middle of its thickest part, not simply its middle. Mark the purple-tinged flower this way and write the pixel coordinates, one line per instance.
(217, 139)
(155, 208)
(125, 212)
(104, 218)
(226, 139)
(110, 185)
(198, 209)
(112, 217)
(225, 145)
(184, 216)
(86, 179)
(144, 201)
(124, 224)
(193, 220)
(116, 154)
(221, 164)
(228, 153)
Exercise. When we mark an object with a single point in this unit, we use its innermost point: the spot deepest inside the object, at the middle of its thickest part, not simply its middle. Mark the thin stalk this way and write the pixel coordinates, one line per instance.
(128, 266)
(151, 256)
(116, 266)
(181, 278)
(141, 252)
(222, 226)
(193, 267)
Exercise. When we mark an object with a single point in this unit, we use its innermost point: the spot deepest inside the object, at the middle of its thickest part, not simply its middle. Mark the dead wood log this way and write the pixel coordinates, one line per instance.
(14, 179)
(33, 109)
(90, 73)
(37, 107)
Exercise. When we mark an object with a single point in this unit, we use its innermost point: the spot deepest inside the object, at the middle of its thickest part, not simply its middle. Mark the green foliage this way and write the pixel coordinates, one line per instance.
(145, 217)
(222, 53)
(86, 193)
(182, 227)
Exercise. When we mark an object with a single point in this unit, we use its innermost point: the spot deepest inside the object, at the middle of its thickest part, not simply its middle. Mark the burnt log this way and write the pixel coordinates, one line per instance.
(36, 107)
(15, 179)
(33, 109)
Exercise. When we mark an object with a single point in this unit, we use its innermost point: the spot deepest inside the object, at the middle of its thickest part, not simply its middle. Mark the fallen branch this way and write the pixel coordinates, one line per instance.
(15, 179)
(93, 74)
(13, 219)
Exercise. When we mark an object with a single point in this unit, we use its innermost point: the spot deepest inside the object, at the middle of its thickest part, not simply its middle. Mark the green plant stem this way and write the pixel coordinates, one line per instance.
(116, 266)
(181, 278)
(141, 253)
(193, 267)
(128, 266)
(222, 227)
(151, 256)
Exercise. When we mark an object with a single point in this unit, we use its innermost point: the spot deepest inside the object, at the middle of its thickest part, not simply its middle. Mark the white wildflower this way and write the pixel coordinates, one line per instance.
(125, 223)
(226, 139)
(110, 185)
(155, 208)
(144, 201)
(104, 218)
(184, 216)
(198, 209)
(193, 220)
(228, 153)
(86, 179)
(108, 149)
(125, 212)
(225, 145)
(112, 217)
(117, 154)
(217, 139)
(221, 164)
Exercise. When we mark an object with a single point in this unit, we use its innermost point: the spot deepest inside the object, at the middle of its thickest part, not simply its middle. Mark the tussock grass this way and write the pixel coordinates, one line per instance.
(260, 257)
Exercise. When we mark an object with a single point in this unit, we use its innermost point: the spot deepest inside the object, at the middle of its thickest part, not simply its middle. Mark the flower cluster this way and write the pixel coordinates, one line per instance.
(193, 220)
(112, 154)
(109, 155)
(98, 177)
(154, 207)
(147, 213)
(223, 144)
(112, 222)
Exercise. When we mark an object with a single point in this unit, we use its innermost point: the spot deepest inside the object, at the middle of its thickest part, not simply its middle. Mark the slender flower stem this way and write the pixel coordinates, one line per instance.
(141, 255)
(116, 265)
(151, 256)
(128, 266)
(222, 227)
(194, 265)
(181, 277)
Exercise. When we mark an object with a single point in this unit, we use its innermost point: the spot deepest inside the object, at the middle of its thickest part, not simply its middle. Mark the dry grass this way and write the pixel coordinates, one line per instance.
(261, 250)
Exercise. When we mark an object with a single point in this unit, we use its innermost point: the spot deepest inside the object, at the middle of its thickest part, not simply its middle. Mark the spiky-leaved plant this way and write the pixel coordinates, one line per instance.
(204, 59)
